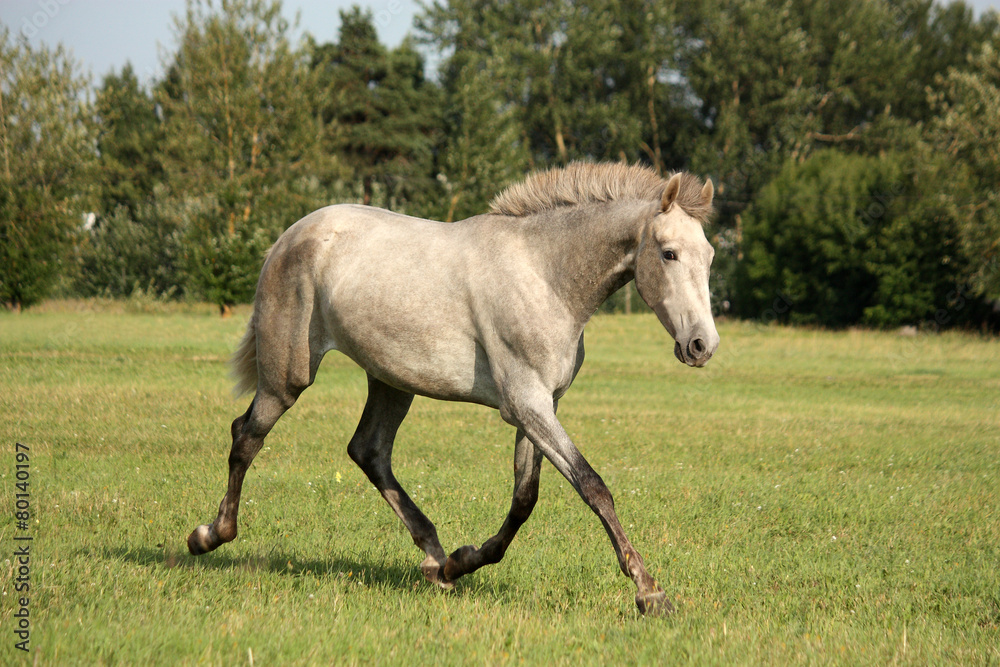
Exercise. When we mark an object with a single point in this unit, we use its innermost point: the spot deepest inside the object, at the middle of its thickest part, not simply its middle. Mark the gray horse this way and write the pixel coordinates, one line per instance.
(489, 310)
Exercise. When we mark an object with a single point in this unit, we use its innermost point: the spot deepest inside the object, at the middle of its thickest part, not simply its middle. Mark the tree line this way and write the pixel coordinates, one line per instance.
(855, 144)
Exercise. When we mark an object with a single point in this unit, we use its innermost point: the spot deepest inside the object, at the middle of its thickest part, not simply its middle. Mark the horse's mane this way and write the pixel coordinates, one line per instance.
(586, 183)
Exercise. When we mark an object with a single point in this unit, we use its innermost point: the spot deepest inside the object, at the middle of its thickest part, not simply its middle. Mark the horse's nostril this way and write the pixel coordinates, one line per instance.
(698, 347)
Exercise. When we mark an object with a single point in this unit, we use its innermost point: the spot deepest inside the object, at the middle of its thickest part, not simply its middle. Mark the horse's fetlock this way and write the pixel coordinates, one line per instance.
(493, 553)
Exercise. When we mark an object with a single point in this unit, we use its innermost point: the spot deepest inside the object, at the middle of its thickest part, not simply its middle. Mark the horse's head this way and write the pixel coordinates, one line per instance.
(672, 267)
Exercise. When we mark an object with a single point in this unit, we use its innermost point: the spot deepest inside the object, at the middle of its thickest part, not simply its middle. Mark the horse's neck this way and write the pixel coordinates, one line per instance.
(588, 252)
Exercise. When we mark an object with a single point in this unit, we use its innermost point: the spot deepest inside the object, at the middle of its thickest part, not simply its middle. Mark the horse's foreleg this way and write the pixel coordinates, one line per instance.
(538, 420)
(527, 466)
(249, 431)
(371, 449)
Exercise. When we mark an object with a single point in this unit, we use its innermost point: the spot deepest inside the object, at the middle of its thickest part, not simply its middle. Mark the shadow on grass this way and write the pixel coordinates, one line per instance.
(368, 572)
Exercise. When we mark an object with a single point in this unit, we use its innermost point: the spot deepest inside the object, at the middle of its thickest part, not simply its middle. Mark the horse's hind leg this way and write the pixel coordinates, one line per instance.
(248, 432)
(286, 366)
(371, 449)
(527, 466)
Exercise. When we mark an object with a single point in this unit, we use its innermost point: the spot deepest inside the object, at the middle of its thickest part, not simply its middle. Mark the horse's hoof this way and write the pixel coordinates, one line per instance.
(654, 604)
(434, 573)
(200, 541)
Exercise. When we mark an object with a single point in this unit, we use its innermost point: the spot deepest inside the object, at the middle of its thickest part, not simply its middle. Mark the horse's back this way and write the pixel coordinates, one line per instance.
(390, 291)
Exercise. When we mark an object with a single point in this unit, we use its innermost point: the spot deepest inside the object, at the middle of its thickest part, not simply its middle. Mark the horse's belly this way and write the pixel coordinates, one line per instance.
(414, 352)
(440, 371)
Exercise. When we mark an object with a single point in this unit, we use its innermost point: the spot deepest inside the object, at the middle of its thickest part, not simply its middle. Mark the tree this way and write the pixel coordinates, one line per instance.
(845, 239)
(46, 153)
(945, 36)
(241, 148)
(133, 248)
(776, 82)
(484, 151)
(128, 137)
(378, 111)
(577, 77)
(131, 245)
(968, 131)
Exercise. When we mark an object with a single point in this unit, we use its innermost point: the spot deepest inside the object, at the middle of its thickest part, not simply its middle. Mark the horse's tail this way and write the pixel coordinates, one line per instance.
(243, 363)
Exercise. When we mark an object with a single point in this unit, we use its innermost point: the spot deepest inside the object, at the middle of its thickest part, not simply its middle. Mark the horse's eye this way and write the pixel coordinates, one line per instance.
(669, 255)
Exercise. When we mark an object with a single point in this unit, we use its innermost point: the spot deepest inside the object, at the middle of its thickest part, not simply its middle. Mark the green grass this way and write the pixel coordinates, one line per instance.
(809, 497)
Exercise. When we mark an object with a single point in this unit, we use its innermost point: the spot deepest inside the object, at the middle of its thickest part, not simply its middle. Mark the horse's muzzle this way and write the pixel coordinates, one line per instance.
(698, 350)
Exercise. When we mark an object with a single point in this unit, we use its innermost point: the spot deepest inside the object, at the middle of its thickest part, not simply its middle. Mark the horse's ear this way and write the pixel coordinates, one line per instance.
(707, 193)
(670, 192)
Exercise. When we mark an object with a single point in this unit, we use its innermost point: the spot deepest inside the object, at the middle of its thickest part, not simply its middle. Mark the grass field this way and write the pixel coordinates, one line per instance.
(820, 497)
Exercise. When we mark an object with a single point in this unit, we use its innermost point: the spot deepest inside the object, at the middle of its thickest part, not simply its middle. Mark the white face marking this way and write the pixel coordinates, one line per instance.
(674, 271)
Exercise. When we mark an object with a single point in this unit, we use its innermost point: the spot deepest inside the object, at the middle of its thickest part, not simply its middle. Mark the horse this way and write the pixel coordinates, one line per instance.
(488, 310)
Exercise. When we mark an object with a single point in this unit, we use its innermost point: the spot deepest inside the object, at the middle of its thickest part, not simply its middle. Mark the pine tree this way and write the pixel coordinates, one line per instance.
(378, 111)
(128, 137)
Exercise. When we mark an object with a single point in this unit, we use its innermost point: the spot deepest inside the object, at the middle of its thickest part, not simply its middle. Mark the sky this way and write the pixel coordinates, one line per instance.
(105, 34)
